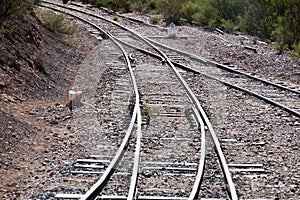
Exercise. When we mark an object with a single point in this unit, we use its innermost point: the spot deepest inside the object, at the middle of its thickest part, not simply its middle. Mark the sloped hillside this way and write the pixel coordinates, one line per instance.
(34, 63)
(37, 68)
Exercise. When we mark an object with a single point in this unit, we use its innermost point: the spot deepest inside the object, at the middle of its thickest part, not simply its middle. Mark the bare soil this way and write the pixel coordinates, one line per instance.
(37, 68)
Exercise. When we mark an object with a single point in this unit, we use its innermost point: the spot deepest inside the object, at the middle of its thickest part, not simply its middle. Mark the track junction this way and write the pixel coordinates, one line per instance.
(157, 142)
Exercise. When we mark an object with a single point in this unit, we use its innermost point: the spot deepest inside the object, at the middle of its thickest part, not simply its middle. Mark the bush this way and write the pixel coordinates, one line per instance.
(275, 20)
(112, 4)
(40, 64)
(173, 19)
(188, 10)
(9, 9)
(154, 19)
(56, 23)
(143, 6)
(297, 50)
(207, 15)
(228, 25)
(138, 6)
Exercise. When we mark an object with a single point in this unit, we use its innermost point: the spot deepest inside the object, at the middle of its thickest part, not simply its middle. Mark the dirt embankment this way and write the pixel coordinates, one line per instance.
(33, 62)
(37, 68)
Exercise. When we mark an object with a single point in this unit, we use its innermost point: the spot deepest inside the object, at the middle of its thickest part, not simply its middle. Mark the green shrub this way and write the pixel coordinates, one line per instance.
(112, 4)
(228, 25)
(9, 9)
(188, 10)
(167, 8)
(173, 19)
(154, 19)
(297, 50)
(56, 23)
(40, 64)
(138, 6)
(145, 110)
(143, 6)
(207, 15)
(276, 20)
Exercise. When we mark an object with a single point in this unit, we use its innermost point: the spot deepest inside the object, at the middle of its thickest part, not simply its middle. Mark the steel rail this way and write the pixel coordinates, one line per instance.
(197, 183)
(107, 20)
(221, 66)
(268, 100)
(254, 94)
(224, 166)
(186, 68)
(94, 191)
(197, 58)
(112, 12)
(200, 172)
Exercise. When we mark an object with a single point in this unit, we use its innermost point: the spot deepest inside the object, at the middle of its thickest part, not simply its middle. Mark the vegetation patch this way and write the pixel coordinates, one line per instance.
(10, 9)
(145, 110)
(154, 19)
(56, 23)
(40, 64)
(272, 21)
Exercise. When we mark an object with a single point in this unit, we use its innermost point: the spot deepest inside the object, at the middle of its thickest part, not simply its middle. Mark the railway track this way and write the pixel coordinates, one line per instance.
(172, 120)
(276, 94)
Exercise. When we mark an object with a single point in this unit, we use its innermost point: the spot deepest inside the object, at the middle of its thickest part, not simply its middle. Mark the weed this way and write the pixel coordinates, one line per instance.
(101, 79)
(40, 64)
(10, 9)
(145, 110)
(296, 52)
(154, 20)
(8, 26)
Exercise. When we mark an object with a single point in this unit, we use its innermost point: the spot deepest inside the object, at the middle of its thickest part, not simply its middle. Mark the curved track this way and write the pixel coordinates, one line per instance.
(198, 109)
(278, 95)
(193, 113)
